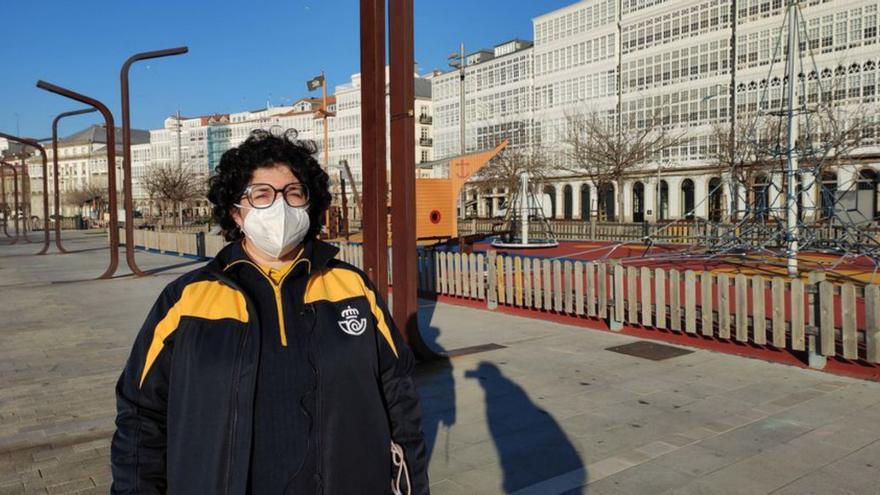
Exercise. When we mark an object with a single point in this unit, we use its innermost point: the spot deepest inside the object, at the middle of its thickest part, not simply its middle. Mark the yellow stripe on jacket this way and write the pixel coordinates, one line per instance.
(210, 300)
(338, 284)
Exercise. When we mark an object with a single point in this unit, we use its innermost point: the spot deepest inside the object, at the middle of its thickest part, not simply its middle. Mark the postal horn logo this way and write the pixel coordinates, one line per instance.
(350, 323)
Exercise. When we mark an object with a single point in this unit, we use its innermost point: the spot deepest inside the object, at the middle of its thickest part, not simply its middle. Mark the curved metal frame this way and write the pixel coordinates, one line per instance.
(55, 169)
(33, 144)
(126, 148)
(3, 206)
(111, 167)
(14, 197)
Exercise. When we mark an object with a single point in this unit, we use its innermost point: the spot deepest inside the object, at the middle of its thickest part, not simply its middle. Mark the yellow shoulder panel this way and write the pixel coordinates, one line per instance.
(338, 284)
(210, 300)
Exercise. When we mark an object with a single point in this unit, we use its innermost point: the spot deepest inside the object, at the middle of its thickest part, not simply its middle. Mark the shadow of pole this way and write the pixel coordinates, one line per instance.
(436, 384)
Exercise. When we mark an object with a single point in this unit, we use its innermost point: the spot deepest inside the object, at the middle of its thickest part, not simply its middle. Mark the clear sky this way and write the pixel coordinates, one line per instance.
(242, 53)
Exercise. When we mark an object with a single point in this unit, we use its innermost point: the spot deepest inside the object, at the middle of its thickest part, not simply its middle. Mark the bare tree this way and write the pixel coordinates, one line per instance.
(833, 129)
(175, 185)
(504, 170)
(606, 151)
(91, 194)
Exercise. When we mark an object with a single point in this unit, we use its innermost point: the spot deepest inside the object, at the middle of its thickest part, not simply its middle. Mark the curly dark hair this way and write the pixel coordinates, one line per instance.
(264, 149)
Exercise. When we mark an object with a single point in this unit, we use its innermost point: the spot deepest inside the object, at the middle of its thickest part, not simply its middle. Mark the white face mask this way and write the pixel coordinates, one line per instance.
(277, 229)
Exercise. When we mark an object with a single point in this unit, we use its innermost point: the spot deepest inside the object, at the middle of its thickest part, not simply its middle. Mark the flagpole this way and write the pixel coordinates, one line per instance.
(326, 145)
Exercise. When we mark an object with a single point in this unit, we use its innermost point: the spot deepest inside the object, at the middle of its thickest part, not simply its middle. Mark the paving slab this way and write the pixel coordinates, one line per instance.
(551, 412)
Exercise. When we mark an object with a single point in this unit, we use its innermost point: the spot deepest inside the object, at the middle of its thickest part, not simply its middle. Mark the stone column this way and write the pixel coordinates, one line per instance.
(674, 191)
(701, 196)
(650, 200)
(626, 214)
(576, 200)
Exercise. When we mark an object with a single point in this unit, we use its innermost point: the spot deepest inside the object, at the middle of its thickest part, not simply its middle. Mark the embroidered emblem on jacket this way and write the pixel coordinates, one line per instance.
(350, 323)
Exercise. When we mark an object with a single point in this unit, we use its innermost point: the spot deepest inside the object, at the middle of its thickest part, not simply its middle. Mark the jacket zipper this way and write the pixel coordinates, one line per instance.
(234, 420)
(319, 459)
(276, 288)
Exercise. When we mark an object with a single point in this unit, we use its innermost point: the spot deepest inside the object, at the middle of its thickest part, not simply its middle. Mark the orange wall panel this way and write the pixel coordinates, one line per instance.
(435, 208)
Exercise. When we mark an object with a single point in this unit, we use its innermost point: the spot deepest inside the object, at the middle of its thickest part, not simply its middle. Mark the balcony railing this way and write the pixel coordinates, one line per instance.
(426, 119)
(426, 142)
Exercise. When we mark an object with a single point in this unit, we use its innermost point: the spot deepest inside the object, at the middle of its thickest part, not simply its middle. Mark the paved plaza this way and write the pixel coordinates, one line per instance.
(545, 410)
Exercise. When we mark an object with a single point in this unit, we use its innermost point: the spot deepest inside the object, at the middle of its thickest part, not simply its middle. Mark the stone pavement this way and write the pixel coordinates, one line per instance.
(550, 412)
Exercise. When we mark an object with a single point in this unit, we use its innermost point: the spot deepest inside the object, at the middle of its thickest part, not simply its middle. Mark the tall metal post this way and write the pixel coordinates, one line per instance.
(375, 187)
(25, 194)
(524, 198)
(403, 176)
(55, 179)
(326, 145)
(127, 200)
(34, 144)
(4, 208)
(791, 168)
(111, 167)
(461, 102)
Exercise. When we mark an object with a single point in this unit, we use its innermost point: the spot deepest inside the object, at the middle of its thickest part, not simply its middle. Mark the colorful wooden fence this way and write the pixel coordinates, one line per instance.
(834, 320)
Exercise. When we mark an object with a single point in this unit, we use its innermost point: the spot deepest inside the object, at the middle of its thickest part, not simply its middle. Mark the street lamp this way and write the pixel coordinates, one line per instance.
(458, 61)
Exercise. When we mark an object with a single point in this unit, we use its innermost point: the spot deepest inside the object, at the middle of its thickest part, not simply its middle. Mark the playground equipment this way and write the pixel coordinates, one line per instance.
(523, 212)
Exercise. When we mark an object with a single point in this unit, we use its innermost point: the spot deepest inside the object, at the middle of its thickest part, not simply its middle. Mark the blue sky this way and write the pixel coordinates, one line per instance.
(241, 52)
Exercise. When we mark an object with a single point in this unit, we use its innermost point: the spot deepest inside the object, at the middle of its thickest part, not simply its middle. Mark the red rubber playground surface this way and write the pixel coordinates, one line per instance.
(857, 269)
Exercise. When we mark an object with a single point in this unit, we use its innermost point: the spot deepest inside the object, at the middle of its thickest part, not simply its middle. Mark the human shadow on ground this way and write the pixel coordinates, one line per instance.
(530, 444)
(436, 385)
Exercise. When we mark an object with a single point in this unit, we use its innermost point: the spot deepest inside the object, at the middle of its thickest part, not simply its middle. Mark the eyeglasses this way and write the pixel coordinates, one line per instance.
(263, 195)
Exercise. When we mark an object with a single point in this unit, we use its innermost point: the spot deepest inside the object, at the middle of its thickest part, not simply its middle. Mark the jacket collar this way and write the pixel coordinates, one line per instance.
(316, 251)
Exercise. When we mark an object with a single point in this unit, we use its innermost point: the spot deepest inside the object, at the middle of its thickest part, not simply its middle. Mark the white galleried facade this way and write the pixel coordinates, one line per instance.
(82, 164)
(345, 127)
(674, 58)
(199, 142)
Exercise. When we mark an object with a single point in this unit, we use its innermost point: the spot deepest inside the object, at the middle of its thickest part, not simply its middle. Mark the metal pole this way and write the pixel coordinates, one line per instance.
(55, 180)
(25, 198)
(524, 207)
(34, 144)
(14, 199)
(127, 200)
(344, 206)
(461, 103)
(791, 155)
(375, 197)
(326, 146)
(4, 207)
(111, 167)
(461, 121)
(403, 176)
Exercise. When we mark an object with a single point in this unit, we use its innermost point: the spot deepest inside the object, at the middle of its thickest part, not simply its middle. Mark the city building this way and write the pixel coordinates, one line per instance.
(82, 169)
(345, 130)
(675, 61)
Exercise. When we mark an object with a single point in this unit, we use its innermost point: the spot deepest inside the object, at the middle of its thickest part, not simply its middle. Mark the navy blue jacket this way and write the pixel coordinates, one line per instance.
(186, 397)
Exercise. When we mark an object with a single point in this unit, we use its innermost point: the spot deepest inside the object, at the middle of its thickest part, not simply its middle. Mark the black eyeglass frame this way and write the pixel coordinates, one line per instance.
(247, 194)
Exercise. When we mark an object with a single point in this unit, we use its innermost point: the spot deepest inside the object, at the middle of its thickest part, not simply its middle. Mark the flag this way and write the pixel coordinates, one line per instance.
(315, 83)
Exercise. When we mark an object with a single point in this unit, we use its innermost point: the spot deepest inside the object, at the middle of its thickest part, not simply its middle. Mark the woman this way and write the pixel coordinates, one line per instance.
(275, 368)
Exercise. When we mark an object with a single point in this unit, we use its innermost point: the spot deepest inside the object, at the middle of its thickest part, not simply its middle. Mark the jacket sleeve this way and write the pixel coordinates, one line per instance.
(138, 449)
(396, 363)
